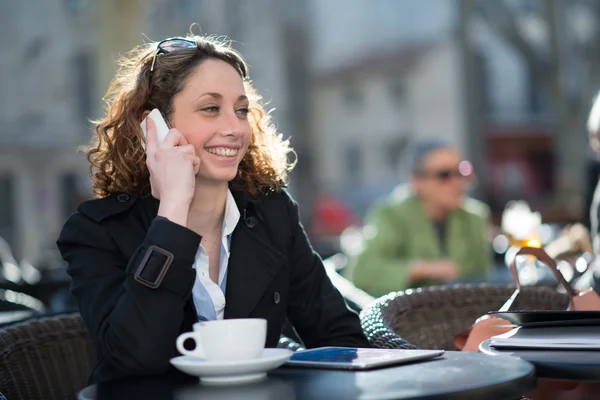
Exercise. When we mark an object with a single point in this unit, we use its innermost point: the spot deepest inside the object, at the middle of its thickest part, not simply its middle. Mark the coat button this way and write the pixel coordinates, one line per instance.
(123, 198)
(276, 298)
(250, 222)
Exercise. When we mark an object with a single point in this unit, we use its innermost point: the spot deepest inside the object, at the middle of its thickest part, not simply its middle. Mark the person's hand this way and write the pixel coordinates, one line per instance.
(444, 270)
(173, 167)
(440, 270)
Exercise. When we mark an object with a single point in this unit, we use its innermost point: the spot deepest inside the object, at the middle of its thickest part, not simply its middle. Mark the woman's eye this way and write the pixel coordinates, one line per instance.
(211, 109)
(243, 111)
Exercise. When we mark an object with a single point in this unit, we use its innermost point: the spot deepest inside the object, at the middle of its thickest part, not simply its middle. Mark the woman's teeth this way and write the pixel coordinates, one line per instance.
(223, 151)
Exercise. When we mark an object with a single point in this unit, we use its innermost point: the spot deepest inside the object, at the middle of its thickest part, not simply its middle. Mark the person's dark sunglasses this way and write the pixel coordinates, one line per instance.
(464, 170)
(444, 175)
(172, 44)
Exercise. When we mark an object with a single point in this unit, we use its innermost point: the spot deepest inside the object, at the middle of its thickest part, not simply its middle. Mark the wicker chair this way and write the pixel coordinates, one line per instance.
(430, 317)
(45, 358)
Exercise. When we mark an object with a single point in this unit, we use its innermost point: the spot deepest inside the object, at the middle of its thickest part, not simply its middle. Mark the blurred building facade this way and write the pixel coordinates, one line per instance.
(353, 83)
(47, 97)
(59, 58)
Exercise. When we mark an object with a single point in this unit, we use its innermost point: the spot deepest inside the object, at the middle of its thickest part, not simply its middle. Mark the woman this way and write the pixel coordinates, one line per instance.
(196, 228)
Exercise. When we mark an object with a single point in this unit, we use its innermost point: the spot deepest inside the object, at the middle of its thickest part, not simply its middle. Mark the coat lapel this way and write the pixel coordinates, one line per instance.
(252, 263)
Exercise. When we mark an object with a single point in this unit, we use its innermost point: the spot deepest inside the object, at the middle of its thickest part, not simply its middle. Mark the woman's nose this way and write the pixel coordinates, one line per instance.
(232, 125)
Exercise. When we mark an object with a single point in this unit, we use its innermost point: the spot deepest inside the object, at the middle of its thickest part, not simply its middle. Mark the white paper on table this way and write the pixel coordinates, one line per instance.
(562, 337)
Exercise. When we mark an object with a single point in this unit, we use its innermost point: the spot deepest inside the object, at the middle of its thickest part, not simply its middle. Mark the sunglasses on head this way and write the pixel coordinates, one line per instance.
(172, 44)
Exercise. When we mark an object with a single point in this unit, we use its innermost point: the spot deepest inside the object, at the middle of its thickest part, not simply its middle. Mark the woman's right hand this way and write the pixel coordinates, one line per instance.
(173, 167)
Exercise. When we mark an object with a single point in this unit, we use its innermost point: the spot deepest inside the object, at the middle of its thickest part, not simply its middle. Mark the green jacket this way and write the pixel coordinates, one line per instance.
(398, 233)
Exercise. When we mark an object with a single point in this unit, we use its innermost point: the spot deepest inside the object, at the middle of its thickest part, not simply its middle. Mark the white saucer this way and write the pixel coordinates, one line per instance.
(227, 372)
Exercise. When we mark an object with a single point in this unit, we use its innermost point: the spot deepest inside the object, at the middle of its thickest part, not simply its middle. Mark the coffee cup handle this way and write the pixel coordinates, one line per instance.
(197, 352)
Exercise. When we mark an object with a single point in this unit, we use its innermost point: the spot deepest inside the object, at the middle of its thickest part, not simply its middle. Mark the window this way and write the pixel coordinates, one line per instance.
(75, 6)
(482, 83)
(69, 194)
(34, 49)
(353, 162)
(394, 151)
(30, 121)
(353, 96)
(7, 208)
(184, 6)
(82, 65)
(397, 90)
(538, 99)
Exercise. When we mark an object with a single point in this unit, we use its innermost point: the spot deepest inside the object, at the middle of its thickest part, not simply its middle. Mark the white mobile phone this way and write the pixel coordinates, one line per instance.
(162, 128)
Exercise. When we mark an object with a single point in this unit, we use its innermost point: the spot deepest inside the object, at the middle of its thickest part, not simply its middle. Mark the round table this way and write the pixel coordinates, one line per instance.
(455, 375)
(7, 317)
(554, 364)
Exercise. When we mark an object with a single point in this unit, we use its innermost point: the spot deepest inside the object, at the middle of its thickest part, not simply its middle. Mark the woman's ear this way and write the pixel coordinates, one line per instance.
(145, 114)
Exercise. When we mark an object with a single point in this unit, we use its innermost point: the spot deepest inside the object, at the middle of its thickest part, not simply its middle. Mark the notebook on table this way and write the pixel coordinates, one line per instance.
(357, 358)
(553, 337)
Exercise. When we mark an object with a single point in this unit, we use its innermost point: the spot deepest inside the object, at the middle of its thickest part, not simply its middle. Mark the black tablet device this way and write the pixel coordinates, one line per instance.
(541, 318)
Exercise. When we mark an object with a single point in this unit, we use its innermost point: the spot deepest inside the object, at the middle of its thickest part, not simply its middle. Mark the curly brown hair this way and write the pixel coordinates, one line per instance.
(116, 156)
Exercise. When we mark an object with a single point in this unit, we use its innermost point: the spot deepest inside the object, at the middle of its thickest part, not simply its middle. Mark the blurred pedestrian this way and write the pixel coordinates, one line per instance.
(428, 232)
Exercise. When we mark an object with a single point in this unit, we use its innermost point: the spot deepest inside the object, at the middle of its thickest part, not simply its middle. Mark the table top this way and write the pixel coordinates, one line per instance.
(556, 364)
(13, 316)
(455, 375)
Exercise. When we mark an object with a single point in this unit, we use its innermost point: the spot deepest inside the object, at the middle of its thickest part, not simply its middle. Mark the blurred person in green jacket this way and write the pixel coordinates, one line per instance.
(426, 233)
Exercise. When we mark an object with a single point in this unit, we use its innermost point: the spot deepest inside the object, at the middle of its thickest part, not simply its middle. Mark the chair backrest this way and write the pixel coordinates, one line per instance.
(430, 317)
(356, 298)
(48, 358)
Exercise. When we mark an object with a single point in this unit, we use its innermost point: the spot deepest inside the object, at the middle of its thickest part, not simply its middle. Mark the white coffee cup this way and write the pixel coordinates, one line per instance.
(226, 339)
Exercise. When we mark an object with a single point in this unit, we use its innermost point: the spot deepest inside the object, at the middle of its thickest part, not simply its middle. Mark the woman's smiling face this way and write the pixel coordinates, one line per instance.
(212, 113)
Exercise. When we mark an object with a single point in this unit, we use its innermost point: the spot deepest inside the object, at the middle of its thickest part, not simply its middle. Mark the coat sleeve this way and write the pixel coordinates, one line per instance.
(316, 309)
(133, 326)
(380, 267)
